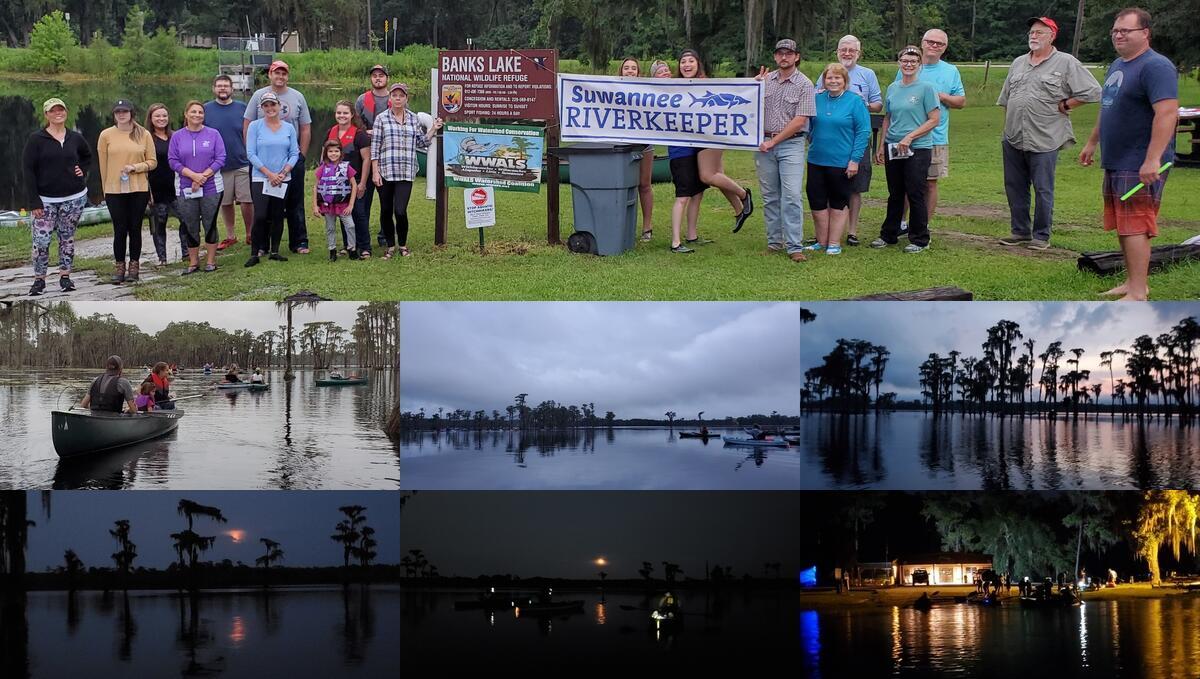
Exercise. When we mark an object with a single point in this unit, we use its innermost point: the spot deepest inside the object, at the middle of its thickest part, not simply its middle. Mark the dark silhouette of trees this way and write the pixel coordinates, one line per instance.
(126, 549)
(273, 554)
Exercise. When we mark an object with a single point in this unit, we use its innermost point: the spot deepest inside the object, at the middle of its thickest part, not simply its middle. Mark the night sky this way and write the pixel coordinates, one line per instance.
(301, 521)
(560, 534)
(637, 359)
(913, 330)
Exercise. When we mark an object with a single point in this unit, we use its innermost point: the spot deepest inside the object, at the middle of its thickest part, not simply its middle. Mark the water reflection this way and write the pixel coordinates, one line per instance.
(919, 451)
(239, 633)
(620, 458)
(1153, 638)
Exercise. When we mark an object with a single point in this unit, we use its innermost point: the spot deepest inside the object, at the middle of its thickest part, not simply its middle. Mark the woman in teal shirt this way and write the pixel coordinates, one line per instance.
(839, 133)
(905, 149)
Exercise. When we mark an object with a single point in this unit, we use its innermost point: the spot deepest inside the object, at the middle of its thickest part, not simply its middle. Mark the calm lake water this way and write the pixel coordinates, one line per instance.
(305, 632)
(1152, 638)
(914, 451)
(293, 437)
(90, 106)
(612, 459)
(758, 625)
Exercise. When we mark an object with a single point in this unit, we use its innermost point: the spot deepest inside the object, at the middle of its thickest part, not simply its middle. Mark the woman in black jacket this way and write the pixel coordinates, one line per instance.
(56, 159)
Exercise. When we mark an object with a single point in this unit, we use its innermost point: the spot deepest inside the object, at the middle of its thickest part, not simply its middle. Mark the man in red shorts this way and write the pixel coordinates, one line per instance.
(1139, 109)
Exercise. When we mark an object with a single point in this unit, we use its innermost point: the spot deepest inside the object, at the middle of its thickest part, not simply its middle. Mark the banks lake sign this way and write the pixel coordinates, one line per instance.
(503, 84)
(703, 112)
(505, 157)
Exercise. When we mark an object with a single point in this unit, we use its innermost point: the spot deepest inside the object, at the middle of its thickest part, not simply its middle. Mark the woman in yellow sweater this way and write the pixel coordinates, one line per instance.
(126, 153)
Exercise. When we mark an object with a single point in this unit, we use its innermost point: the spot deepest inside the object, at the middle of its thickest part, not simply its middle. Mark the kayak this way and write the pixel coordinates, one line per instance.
(552, 608)
(91, 215)
(249, 386)
(78, 432)
(343, 382)
(741, 441)
(697, 435)
(1055, 601)
(660, 175)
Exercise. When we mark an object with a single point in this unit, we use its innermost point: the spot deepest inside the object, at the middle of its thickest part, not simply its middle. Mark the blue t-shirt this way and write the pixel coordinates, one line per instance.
(227, 119)
(270, 150)
(674, 152)
(945, 79)
(1127, 109)
(840, 131)
(908, 108)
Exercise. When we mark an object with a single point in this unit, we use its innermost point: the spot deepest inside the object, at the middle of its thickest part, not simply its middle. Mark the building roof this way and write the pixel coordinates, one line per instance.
(945, 558)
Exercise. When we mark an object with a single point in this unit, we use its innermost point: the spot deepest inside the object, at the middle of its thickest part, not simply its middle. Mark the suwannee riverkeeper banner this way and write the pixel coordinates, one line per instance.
(705, 112)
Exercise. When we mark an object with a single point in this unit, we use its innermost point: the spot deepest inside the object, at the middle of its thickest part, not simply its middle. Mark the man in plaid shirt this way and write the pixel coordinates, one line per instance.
(397, 134)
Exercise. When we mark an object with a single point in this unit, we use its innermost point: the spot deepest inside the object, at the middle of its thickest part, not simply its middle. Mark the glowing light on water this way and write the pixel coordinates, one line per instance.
(238, 633)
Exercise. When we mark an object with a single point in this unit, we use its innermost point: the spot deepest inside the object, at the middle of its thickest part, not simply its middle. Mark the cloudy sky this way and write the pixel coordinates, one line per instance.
(636, 359)
(562, 533)
(255, 316)
(301, 521)
(913, 330)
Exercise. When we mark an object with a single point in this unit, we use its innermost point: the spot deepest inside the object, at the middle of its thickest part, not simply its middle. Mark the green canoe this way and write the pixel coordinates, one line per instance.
(343, 382)
(78, 432)
(244, 386)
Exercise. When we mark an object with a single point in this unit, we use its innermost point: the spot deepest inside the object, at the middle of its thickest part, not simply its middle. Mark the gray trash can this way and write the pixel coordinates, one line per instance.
(604, 193)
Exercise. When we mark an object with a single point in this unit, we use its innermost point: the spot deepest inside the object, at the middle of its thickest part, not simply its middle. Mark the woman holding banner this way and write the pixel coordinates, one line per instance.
(630, 68)
(711, 161)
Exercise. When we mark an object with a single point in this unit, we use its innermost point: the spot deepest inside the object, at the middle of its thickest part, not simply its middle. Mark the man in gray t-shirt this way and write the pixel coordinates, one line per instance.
(292, 109)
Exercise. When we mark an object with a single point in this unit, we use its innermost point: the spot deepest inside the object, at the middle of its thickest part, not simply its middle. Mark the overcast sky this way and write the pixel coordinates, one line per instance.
(913, 330)
(637, 359)
(562, 533)
(258, 317)
(301, 521)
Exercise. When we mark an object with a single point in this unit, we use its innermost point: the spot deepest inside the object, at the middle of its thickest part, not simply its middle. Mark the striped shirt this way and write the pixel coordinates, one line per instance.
(394, 144)
(786, 99)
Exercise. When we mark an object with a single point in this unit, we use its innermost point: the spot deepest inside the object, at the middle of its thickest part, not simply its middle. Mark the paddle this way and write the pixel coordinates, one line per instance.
(182, 398)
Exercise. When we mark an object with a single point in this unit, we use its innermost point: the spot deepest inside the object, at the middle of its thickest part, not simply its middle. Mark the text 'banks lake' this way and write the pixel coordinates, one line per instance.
(1150, 638)
(908, 450)
(610, 459)
(290, 632)
(293, 436)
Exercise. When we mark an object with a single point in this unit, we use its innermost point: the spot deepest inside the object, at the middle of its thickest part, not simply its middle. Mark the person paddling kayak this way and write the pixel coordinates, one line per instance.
(111, 392)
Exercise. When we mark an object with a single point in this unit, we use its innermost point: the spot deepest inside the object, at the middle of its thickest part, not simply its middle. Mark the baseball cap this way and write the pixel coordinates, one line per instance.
(51, 103)
(268, 96)
(398, 86)
(378, 67)
(123, 105)
(278, 64)
(786, 44)
(1050, 23)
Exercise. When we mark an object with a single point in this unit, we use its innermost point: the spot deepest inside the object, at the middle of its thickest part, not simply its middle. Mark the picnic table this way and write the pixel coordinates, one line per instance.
(1188, 155)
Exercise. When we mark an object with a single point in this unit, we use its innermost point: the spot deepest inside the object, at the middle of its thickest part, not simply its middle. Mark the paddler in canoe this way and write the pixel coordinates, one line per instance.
(257, 377)
(231, 375)
(111, 392)
(160, 378)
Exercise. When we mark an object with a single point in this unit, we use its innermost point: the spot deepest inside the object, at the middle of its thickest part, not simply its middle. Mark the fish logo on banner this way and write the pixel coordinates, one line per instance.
(452, 98)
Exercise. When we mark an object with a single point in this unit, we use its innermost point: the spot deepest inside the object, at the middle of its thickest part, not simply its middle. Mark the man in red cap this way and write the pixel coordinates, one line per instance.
(293, 108)
(1041, 90)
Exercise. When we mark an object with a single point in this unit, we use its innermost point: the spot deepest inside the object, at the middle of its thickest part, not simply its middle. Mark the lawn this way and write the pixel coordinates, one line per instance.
(520, 266)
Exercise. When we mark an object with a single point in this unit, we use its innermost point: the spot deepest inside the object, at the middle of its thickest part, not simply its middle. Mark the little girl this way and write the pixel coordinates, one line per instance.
(333, 197)
(145, 398)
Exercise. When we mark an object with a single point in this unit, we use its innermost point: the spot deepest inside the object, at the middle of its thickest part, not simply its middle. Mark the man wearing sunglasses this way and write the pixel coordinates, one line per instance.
(1139, 109)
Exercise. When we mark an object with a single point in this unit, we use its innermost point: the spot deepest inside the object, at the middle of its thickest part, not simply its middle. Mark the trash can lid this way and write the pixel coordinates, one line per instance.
(597, 147)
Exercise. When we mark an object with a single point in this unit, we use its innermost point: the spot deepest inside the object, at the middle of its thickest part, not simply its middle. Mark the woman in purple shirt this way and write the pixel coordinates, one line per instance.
(197, 154)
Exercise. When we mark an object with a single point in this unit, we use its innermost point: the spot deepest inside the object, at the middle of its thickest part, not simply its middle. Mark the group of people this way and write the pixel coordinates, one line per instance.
(112, 392)
(228, 153)
(254, 155)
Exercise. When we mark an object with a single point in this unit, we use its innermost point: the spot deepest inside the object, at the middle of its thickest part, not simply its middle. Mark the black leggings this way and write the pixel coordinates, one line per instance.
(393, 212)
(268, 220)
(127, 211)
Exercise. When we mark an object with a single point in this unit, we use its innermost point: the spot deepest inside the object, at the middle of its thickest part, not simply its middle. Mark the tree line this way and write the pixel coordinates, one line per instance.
(550, 414)
(1162, 376)
(737, 32)
(37, 335)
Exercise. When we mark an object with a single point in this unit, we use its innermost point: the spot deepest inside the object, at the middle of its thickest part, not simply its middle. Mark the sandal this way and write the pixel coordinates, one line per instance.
(365, 254)
(646, 235)
(404, 251)
(390, 253)
(698, 241)
(209, 268)
(190, 270)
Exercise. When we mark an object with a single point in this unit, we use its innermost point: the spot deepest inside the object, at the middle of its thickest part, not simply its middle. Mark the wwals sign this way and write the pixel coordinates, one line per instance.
(507, 84)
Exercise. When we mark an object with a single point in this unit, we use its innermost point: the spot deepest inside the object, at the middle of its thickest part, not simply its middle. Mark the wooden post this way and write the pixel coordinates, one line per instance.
(440, 202)
(552, 231)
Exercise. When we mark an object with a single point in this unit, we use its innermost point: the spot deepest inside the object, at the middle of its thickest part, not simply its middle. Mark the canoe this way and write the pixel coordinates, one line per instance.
(247, 386)
(78, 432)
(741, 441)
(697, 435)
(552, 608)
(91, 215)
(660, 175)
(1055, 601)
(348, 381)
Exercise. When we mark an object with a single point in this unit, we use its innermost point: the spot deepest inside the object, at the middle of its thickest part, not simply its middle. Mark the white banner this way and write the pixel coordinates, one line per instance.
(705, 112)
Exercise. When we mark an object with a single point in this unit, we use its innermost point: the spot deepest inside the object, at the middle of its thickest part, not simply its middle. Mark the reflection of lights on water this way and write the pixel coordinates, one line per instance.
(810, 642)
(1083, 649)
(492, 618)
(238, 634)
(601, 614)
(897, 646)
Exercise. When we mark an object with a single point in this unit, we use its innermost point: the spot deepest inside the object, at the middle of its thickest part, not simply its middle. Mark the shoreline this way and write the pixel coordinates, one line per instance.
(888, 597)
